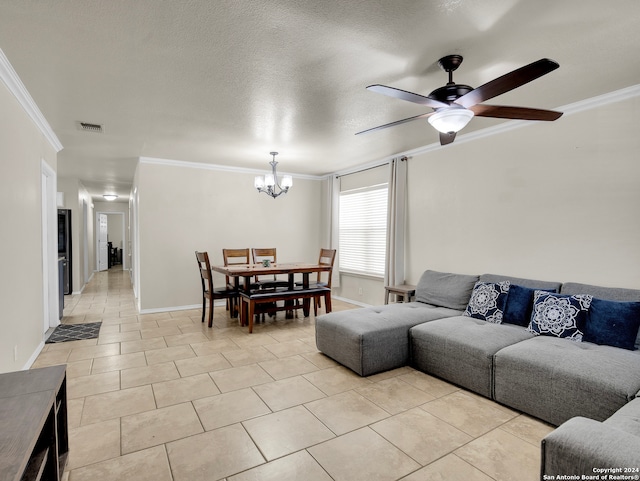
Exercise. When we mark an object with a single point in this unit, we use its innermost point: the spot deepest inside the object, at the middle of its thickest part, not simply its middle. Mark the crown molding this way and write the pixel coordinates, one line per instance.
(601, 100)
(222, 168)
(19, 91)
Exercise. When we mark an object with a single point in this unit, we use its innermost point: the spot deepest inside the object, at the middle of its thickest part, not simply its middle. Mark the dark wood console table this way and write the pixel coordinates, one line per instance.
(404, 292)
(34, 440)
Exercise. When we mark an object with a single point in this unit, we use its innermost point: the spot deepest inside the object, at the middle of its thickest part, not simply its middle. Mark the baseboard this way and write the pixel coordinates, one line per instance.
(168, 309)
(222, 302)
(75, 293)
(351, 301)
(34, 356)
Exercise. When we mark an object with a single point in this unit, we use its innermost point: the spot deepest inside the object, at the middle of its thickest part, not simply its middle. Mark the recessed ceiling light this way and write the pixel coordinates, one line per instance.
(110, 196)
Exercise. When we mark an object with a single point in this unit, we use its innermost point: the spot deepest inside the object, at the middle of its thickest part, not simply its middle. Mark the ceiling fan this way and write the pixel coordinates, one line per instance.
(454, 105)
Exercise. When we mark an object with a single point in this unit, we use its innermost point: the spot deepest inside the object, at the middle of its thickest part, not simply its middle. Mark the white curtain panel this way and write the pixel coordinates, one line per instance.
(396, 222)
(330, 240)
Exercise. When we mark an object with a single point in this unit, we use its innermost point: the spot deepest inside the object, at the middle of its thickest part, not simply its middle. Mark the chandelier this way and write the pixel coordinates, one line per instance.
(269, 183)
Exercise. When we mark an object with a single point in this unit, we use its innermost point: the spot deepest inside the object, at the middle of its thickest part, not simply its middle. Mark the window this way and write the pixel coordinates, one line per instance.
(363, 230)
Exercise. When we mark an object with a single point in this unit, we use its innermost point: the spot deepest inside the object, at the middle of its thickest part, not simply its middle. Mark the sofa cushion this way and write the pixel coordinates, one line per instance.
(613, 323)
(520, 305)
(460, 349)
(559, 315)
(373, 339)
(555, 380)
(487, 301)
(627, 418)
(444, 289)
(608, 293)
(551, 286)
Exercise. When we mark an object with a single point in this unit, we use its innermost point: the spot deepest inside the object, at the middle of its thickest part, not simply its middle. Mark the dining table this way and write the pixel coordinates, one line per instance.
(249, 271)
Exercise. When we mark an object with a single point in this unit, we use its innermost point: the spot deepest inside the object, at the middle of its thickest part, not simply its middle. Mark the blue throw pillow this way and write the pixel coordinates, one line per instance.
(613, 323)
(487, 301)
(559, 315)
(519, 305)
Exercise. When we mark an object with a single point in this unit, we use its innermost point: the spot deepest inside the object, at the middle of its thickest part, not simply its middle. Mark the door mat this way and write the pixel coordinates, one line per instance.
(74, 332)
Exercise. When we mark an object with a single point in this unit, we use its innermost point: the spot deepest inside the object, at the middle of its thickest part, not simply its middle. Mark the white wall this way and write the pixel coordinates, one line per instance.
(22, 149)
(184, 209)
(556, 201)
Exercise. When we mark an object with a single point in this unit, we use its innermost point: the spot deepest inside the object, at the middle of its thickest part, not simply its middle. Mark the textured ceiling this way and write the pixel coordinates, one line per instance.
(227, 81)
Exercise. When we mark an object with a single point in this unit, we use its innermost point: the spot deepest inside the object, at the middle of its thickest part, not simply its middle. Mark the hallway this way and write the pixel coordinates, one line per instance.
(108, 294)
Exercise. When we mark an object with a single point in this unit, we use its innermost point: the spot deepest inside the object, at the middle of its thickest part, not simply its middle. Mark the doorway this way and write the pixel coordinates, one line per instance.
(110, 239)
(102, 239)
(50, 271)
(85, 240)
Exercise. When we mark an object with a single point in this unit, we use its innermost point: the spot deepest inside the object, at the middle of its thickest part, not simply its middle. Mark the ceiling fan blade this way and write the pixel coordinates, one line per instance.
(397, 122)
(408, 96)
(508, 82)
(520, 113)
(447, 138)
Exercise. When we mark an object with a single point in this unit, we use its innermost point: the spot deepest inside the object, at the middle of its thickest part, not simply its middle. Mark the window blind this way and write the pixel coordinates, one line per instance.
(363, 230)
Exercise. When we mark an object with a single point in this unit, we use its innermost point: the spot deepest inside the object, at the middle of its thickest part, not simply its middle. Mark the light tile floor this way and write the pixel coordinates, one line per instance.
(163, 397)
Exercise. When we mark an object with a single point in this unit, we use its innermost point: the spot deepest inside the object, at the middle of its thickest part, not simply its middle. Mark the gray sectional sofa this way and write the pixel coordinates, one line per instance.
(591, 391)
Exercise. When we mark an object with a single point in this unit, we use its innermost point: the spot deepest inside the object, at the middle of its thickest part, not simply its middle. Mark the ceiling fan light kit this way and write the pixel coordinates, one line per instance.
(450, 120)
(454, 105)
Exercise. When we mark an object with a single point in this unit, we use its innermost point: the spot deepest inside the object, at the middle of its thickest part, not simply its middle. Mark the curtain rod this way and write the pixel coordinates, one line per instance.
(403, 158)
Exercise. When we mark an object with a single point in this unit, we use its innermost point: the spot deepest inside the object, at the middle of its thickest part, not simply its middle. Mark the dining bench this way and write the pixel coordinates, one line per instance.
(272, 296)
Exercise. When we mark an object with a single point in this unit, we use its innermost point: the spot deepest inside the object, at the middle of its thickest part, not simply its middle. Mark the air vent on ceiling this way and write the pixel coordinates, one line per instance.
(87, 127)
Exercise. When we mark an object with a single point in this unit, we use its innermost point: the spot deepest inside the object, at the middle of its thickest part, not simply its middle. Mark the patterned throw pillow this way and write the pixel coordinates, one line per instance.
(487, 301)
(559, 315)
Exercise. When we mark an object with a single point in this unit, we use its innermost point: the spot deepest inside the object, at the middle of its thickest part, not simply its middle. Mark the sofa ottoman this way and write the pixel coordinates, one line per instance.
(556, 379)
(586, 447)
(376, 339)
(461, 349)
(373, 339)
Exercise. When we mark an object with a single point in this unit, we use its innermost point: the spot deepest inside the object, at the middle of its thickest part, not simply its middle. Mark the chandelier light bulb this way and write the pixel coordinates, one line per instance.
(269, 180)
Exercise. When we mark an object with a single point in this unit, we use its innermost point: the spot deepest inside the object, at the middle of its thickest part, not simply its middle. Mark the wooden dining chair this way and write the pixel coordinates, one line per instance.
(323, 279)
(231, 257)
(259, 254)
(208, 290)
(234, 256)
(266, 282)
